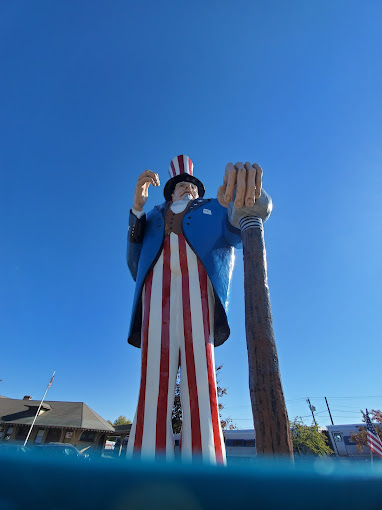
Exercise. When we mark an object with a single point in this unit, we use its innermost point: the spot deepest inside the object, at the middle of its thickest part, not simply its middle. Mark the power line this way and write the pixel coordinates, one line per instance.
(342, 411)
(348, 407)
(362, 396)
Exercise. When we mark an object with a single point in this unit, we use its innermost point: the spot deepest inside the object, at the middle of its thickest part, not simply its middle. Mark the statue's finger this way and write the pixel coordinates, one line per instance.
(156, 180)
(145, 173)
(220, 195)
(154, 176)
(229, 168)
(240, 185)
(258, 179)
(239, 165)
(231, 183)
(151, 175)
(251, 186)
(146, 179)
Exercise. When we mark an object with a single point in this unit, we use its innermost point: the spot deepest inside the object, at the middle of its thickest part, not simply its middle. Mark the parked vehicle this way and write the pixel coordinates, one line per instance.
(13, 449)
(61, 451)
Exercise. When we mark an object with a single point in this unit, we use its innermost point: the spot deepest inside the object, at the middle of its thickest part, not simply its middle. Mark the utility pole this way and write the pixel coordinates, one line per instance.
(330, 414)
(312, 409)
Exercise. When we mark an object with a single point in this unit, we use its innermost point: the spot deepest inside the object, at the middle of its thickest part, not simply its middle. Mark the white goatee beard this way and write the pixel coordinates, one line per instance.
(185, 198)
(189, 196)
(180, 205)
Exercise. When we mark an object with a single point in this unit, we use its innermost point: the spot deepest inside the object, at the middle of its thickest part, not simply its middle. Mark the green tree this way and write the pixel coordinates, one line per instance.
(360, 438)
(226, 423)
(176, 417)
(121, 420)
(308, 440)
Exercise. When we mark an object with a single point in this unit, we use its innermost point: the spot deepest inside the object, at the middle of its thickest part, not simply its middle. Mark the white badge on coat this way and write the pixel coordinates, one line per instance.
(207, 211)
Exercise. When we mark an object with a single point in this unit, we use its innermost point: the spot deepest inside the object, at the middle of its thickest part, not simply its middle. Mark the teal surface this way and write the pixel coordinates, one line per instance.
(29, 482)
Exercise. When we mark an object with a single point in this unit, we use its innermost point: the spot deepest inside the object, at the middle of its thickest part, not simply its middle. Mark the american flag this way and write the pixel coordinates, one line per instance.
(50, 384)
(373, 441)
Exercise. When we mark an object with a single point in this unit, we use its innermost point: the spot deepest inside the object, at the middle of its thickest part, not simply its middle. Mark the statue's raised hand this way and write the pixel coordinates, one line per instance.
(246, 179)
(142, 188)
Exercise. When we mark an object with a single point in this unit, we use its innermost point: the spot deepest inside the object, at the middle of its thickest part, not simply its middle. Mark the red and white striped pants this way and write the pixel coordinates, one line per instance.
(177, 329)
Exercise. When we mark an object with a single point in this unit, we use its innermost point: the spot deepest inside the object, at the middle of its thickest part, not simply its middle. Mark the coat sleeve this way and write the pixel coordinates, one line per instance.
(231, 234)
(134, 242)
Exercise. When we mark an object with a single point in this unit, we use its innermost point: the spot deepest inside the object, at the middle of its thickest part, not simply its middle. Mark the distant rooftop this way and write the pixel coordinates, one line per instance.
(56, 414)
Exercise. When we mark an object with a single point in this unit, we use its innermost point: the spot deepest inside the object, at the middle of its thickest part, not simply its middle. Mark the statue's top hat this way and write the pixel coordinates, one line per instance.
(181, 169)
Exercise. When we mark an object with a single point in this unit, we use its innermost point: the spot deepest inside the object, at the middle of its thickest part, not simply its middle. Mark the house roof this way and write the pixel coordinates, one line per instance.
(61, 414)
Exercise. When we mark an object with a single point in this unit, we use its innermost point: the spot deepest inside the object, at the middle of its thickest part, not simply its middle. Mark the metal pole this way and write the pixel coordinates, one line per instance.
(270, 416)
(39, 407)
(330, 414)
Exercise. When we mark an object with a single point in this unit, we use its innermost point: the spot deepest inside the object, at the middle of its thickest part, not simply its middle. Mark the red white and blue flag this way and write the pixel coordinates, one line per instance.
(373, 441)
(50, 384)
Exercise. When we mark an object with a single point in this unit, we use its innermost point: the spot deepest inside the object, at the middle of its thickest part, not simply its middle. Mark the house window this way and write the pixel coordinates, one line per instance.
(8, 433)
(22, 432)
(68, 436)
(39, 436)
(53, 435)
(87, 436)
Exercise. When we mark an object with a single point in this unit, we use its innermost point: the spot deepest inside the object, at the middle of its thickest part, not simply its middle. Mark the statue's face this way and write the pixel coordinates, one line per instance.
(185, 190)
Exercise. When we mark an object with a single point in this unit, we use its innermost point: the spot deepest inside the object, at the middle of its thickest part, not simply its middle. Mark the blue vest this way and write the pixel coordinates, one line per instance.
(211, 236)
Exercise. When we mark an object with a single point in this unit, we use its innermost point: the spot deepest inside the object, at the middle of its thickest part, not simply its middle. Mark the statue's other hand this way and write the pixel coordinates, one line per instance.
(142, 188)
(246, 179)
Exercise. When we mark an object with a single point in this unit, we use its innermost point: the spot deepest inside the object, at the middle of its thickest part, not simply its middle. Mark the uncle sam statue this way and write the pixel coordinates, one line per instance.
(181, 256)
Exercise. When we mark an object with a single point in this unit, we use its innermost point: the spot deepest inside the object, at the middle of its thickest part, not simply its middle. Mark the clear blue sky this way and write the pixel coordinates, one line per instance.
(94, 92)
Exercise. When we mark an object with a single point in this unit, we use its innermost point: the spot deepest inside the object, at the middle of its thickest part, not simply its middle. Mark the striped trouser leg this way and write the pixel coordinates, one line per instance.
(201, 431)
(151, 433)
(177, 323)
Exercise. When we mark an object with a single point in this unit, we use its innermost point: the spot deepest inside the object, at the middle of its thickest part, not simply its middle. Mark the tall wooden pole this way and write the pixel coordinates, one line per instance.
(267, 398)
(270, 416)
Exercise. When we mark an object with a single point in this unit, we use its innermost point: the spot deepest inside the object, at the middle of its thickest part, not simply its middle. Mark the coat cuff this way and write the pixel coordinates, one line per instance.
(137, 213)
(136, 228)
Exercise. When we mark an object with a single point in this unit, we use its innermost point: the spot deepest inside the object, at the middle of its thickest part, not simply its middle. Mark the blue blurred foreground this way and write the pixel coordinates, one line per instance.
(30, 480)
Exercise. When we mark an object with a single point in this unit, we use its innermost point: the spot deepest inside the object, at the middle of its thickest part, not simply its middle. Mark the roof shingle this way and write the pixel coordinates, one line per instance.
(61, 414)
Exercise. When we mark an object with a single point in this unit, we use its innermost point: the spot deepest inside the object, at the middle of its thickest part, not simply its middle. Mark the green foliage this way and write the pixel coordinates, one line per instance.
(360, 439)
(308, 440)
(121, 420)
(226, 423)
(176, 417)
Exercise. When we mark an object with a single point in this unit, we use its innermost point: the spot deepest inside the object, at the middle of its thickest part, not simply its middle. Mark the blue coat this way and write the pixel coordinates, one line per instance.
(211, 236)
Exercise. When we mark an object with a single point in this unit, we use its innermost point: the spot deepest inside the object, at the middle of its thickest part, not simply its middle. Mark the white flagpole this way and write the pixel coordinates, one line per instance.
(39, 407)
